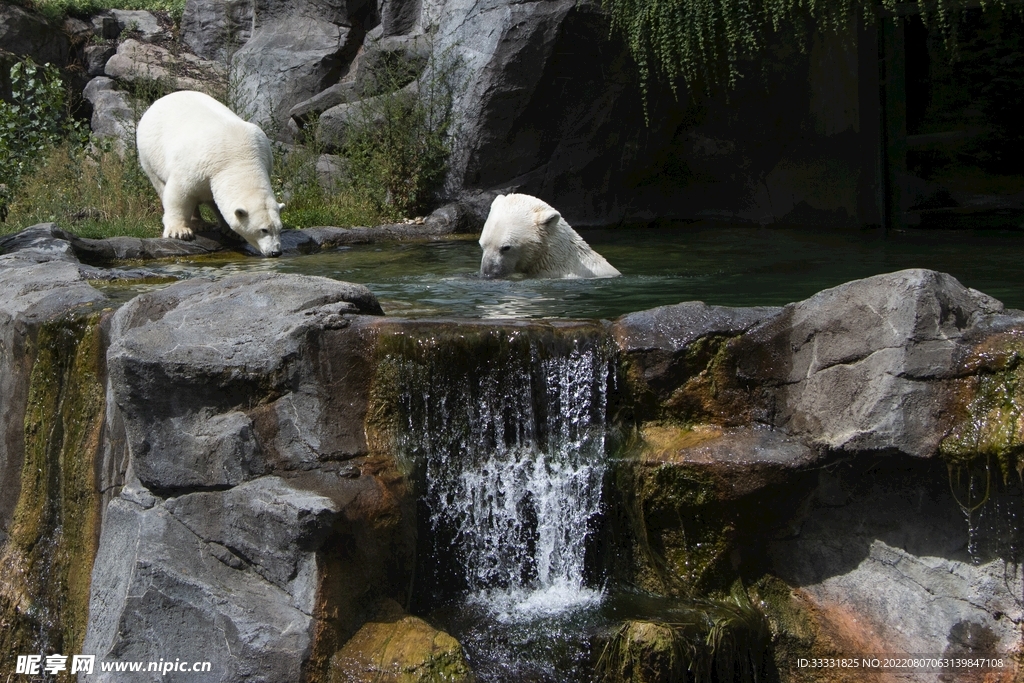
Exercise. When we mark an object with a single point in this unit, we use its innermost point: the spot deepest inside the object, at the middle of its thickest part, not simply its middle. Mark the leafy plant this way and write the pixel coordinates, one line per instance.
(34, 121)
(704, 43)
(398, 143)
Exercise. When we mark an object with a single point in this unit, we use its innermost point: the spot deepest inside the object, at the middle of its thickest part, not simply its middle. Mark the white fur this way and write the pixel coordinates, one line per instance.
(525, 235)
(195, 150)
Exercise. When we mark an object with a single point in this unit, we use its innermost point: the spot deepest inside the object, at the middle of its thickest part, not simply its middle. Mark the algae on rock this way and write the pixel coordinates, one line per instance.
(47, 558)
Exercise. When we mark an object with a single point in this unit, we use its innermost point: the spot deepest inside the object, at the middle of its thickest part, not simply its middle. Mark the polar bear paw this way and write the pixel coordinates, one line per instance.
(180, 233)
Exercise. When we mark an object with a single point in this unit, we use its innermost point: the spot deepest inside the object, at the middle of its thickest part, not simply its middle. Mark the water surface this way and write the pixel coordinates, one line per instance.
(710, 262)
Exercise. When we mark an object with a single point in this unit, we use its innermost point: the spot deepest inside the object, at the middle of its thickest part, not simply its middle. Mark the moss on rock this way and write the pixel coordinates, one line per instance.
(988, 406)
(681, 533)
(48, 555)
(400, 648)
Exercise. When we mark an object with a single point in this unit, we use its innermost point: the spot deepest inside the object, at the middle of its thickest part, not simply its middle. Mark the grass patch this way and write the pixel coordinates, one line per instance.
(58, 9)
(88, 191)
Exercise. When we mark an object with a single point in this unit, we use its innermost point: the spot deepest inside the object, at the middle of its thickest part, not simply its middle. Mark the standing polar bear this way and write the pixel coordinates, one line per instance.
(525, 235)
(195, 150)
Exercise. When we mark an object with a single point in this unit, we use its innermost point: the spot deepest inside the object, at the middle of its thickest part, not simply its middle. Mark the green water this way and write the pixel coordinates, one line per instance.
(710, 262)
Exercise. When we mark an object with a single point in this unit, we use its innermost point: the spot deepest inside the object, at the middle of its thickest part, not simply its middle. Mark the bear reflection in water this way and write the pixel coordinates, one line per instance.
(527, 236)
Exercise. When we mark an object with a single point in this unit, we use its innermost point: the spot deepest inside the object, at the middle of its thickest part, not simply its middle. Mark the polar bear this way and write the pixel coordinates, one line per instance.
(525, 235)
(195, 150)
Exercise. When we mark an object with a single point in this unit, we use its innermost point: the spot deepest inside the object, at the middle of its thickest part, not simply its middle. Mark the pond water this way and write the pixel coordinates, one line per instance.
(710, 262)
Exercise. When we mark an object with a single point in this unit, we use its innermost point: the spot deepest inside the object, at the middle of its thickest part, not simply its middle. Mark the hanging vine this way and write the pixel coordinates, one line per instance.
(704, 42)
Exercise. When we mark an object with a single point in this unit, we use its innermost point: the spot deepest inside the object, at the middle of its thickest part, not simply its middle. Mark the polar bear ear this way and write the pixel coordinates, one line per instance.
(241, 213)
(280, 207)
(546, 218)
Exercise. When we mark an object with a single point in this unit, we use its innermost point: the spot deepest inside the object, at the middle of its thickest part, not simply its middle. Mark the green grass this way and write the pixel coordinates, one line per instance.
(90, 192)
(57, 9)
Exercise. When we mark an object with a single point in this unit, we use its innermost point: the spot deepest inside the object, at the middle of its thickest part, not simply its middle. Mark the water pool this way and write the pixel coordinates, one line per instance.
(710, 262)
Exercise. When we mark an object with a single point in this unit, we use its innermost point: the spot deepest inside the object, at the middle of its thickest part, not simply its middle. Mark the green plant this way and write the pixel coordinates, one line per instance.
(90, 190)
(704, 43)
(31, 123)
(399, 141)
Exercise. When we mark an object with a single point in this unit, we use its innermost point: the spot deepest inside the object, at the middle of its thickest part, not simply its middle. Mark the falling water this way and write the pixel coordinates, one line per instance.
(511, 449)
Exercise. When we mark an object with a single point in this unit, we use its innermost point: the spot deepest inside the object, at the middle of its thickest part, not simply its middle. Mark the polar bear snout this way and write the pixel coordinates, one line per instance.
(494, 264)
(269, 245)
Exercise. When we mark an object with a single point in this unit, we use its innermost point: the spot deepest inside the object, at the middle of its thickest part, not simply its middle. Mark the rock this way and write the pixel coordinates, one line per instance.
(112, 115)
(287, 62)
(861, 367)
(96, 57)
(339, 93)
(215, 29)
(77, 30)
(210, 439)
(667, 349)
(113, 23)
(399, 647)
(389, 64)
(158, 591)
(336, 122)
(137, 62)
(399, 17)
(40, 281)
(26, 34)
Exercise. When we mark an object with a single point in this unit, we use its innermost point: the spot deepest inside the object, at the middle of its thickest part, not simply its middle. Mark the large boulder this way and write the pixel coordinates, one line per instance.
(287, 62)
(215, 29)
(141, 63)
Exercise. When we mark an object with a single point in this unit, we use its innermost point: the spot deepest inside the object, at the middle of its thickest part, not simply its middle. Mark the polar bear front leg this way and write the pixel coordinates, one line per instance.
(178, 208)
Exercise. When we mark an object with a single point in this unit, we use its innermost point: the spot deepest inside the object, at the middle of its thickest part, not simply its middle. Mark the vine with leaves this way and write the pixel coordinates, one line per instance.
(704, 42)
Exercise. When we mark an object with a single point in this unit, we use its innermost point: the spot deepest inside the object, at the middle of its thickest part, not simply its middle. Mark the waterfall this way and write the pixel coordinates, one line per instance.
(511, 445)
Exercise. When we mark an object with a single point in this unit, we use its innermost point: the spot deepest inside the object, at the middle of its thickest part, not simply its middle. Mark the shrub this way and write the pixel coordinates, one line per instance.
(89, 190)
(33, 122)
(399, 142)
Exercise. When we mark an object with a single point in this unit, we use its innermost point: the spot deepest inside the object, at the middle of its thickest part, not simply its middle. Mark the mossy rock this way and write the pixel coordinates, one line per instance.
(988, 407)
(399, 648)
(48, 555)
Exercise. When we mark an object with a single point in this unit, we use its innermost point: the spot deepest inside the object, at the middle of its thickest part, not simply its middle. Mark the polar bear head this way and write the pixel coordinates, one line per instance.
(259, 222)
(515, 235)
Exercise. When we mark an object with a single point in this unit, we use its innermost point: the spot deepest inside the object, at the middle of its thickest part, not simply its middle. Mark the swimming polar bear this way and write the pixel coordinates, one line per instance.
(195, 150)
(525, 235)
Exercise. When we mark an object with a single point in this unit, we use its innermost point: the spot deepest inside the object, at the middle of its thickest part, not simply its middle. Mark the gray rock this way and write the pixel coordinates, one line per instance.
(26, 34)
(141, 62)
(399, 17)
(188, 403)
(284, 63)
(215, 29)
(96, 57)
(858, 368)
(339, 93)
(267, 523)
(113, 116)
(336, 122)
(144, 25)
(391, 63)
(159, 591)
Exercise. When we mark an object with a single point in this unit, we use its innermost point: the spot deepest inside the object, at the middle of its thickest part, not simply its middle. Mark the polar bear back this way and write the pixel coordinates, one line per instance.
(176, 126)
(524, 234)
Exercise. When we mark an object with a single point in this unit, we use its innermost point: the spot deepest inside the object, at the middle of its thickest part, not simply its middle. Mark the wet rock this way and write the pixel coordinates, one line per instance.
(399, 647)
